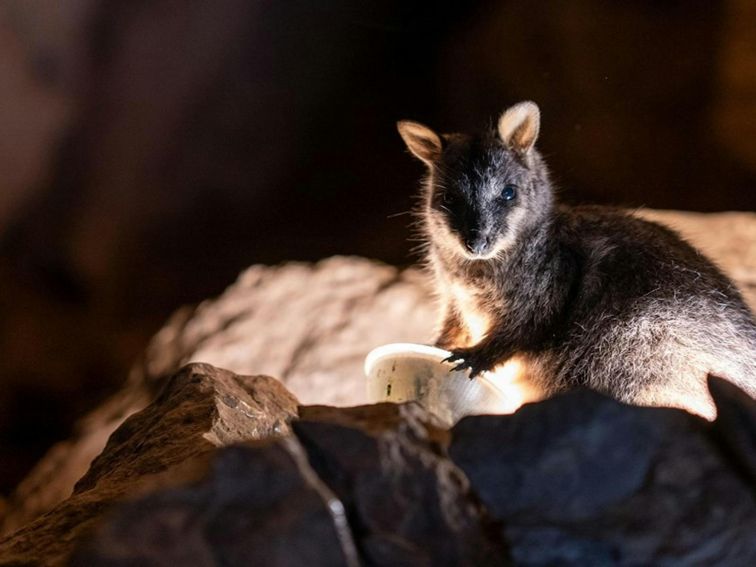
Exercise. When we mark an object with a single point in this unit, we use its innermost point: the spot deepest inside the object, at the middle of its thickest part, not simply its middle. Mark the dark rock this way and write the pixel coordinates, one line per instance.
(254, 506)
(407, 504)
(581, 479)
(575, 480)
(735, 427)
(201, 407)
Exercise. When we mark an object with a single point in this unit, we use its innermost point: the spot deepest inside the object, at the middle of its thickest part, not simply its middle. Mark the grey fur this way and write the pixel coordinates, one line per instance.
(587, 296)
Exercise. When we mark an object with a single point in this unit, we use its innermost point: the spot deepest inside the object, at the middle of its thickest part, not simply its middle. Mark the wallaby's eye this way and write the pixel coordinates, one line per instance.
(509, 193)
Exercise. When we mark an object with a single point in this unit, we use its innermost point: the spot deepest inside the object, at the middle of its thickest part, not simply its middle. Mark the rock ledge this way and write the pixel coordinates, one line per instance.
(223, 468)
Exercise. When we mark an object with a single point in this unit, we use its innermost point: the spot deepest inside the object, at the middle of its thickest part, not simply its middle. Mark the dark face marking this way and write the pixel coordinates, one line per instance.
(479, 185)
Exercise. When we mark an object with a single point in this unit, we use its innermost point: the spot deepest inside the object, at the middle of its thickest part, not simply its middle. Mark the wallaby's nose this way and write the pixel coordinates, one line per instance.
(478, 246)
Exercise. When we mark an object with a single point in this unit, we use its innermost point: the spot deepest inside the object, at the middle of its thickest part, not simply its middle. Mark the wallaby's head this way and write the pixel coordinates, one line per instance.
(483, 190)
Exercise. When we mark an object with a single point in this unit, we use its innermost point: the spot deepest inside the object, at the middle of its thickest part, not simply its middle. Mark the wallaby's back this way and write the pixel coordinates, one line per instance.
(651, 315)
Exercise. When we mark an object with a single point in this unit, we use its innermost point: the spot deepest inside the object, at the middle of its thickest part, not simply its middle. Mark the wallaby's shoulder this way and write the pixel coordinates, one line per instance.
(639, 249)
(588, 223)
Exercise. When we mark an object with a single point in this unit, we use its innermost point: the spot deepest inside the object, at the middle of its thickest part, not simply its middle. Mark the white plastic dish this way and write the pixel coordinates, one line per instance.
(402, 372)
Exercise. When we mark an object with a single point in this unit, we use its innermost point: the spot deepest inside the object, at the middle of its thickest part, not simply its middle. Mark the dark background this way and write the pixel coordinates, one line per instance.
(150, 150)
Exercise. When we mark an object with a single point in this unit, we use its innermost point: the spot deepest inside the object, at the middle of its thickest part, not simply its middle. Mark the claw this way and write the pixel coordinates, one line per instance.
(464, 362)
(454, 358)
(461, 366)
(466, 359)
(474, 372)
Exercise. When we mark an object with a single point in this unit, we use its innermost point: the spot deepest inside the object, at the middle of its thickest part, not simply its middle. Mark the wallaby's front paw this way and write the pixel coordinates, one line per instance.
(471, 358)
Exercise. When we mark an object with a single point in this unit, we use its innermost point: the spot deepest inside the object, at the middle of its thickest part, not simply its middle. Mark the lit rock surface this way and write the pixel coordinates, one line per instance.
(310, 326)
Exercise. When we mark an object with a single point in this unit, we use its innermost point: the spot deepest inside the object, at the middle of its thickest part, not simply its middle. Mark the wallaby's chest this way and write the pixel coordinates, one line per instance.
(474, 308)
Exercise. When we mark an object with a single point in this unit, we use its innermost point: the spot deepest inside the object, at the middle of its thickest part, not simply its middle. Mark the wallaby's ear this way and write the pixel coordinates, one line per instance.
(421, 140)
(519, 125)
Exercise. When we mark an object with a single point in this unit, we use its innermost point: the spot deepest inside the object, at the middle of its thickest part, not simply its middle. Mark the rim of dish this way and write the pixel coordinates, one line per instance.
(419, 351)
(395, 350)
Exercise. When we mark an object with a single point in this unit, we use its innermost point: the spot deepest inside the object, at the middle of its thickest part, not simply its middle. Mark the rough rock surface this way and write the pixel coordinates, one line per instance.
(407, 503)
(251, 506)
(311, 326)
(579, 479)
(200, 408)
(394, 500)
